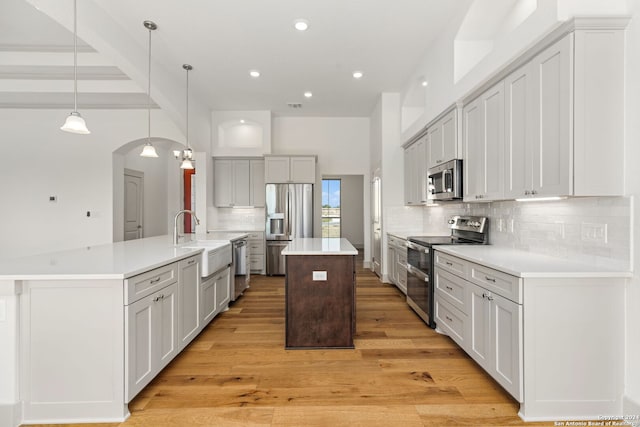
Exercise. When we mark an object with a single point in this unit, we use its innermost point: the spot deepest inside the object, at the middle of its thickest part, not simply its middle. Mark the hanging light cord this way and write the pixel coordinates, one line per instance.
(187, 108)
(75, 57)
(149, 92)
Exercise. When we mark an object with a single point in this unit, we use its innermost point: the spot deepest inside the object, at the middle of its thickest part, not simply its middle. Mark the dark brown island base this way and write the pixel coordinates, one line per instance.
(320, 293)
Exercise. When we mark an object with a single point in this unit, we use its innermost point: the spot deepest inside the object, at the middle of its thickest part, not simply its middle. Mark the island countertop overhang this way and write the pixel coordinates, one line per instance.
(320, 246)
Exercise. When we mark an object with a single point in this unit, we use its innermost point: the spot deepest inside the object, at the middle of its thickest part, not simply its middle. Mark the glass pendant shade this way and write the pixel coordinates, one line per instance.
(186, 164)
(75, 124)
(148, 151)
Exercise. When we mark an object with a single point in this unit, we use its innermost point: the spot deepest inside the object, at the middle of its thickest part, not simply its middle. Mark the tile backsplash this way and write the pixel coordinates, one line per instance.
(593, 229)
(235, 219)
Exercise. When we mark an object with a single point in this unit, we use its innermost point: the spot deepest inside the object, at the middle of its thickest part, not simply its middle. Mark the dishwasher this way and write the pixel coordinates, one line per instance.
(240, 267)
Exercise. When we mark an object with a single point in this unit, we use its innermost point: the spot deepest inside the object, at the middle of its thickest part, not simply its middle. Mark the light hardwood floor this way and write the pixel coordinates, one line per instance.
(237, 372)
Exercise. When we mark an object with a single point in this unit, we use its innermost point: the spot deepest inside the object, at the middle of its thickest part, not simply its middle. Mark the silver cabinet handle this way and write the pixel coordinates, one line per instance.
(449, 287)
(448, 318)
(489, 279)
(191, 262)
(489, 297)
(156, 280)
(449, 263)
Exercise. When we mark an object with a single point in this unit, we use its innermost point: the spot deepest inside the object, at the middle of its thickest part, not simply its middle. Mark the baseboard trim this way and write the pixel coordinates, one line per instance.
(10, 414)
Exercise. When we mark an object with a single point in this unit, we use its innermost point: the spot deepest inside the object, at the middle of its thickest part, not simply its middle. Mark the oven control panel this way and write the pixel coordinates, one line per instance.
(468, 223)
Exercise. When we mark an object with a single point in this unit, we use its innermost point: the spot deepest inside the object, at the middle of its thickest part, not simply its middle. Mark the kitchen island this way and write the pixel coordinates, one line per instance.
(82, 331)
(320, 293)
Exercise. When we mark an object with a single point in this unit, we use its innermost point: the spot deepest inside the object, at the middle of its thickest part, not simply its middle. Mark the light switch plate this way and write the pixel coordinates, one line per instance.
(319, 275)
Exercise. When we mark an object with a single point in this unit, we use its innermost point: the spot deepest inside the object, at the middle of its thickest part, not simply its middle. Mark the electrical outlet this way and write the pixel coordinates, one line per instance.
(595, 233)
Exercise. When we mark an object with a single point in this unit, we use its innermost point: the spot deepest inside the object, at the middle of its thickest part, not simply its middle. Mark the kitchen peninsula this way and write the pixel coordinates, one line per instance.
(320, 293)
(82, 331)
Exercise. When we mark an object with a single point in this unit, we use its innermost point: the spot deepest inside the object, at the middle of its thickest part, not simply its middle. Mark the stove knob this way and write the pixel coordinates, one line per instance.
(451, 221)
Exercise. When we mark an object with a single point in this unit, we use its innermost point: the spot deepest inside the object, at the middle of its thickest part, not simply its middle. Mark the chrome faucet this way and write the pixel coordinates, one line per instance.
(175, 223)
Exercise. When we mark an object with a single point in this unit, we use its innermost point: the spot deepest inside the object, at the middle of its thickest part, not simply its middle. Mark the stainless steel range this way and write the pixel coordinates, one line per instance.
(465, 230)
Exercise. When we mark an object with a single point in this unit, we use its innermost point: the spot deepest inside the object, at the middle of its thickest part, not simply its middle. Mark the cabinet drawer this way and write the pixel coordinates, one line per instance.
(256, 262)
(503, 284)
(144, 284)
(452, 288)
(258, 236)
(451, 264)
(451, 321)
(256, 247)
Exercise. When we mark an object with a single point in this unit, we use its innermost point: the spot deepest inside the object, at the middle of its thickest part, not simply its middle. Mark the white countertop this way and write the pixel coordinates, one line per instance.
(320, 246)
(118, 260)
(527, 264)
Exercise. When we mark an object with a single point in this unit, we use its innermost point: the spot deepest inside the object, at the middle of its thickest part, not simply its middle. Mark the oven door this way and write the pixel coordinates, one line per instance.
(419, 287)
(419, 294)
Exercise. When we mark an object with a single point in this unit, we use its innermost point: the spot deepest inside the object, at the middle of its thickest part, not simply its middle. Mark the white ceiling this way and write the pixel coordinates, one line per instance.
(224, 39)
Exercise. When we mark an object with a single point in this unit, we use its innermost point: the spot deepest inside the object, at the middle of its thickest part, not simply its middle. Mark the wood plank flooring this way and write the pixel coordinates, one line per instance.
(237, 372)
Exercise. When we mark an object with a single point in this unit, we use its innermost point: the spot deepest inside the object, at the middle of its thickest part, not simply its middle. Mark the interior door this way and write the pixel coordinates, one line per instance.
(133, 202)
(376, 224)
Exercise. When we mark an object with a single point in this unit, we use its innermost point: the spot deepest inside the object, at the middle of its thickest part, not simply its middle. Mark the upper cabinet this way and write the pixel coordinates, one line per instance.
(415, 172)
(443, 139)
(483, 143)
(290, 169)
(552, 120)
(238, 182)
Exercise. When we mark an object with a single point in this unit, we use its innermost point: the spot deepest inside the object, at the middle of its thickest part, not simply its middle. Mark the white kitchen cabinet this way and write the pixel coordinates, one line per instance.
(483, 143)
(256, 185)
(152, 339)
(415, 184)
(552, 161)
(189, 318)
(215, 294)
(564, 107)
(238, 182)
(480, 309)
(256, 251)
(538, 147)
(397, 261)
(223, 289)
(290, 169)
(496, 337)
(443, 140)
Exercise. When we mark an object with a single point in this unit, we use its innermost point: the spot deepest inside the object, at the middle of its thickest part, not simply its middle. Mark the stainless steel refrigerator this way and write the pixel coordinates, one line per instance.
(289, 215)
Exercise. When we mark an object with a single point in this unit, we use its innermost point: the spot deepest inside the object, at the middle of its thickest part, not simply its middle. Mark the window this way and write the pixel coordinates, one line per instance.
(331, 208)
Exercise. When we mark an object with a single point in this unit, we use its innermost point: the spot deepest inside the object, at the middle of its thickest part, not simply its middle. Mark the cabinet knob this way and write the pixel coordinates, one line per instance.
(534, 192)
(527, 192)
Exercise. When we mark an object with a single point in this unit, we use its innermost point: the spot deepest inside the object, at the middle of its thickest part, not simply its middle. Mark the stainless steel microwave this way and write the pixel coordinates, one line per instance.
(445, 181)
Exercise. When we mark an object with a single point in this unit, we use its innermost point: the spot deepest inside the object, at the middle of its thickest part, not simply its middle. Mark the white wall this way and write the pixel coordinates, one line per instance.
(342, 147)
(632, 183)
(351, 207)
(39, 160)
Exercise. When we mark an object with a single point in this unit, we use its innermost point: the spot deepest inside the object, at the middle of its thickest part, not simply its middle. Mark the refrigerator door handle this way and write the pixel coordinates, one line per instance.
(289, 213)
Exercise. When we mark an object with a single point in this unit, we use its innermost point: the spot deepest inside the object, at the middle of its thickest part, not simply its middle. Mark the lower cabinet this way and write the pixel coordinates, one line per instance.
(160, 325)
(189, 319)
(152, 339)
(397, 262)
(488, 326)
(215, 294)
(496, 337)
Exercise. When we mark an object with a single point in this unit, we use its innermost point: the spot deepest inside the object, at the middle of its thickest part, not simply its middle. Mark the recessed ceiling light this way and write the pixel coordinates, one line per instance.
(254, 73)
(424, 83)
(301, 24)
(308, 94)
(358, 74)
(242, 121)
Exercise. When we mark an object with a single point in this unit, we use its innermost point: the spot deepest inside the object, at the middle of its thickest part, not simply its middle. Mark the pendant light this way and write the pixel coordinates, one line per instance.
(187, 154)
(75, 123)
(149, 150)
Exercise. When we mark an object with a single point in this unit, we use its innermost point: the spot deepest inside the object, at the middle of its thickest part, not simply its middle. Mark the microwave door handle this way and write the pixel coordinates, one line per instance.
(445, 187)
